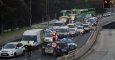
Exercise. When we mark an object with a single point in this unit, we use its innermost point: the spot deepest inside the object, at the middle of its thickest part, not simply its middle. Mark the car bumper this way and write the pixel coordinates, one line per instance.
(60, 52)
(6, 54)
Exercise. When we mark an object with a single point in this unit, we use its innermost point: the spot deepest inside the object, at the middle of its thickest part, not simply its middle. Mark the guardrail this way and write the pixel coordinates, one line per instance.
(75, 54)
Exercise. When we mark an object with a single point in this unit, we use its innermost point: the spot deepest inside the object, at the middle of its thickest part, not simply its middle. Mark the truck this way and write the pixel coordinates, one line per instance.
(35, 37)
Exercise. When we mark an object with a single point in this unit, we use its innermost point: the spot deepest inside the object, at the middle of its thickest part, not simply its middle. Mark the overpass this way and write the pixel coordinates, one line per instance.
(107, 20)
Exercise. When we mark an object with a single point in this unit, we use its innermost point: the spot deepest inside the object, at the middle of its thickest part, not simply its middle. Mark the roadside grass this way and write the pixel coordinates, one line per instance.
(9, 36)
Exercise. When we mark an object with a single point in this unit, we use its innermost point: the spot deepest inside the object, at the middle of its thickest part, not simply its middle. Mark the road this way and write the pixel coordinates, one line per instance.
(36, 55)
(104, 47)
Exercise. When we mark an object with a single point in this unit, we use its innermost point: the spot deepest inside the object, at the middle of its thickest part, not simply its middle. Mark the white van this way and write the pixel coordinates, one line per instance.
(34, 36)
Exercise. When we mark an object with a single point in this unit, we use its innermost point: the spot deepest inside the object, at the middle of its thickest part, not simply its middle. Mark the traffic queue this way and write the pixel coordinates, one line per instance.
(56, 39)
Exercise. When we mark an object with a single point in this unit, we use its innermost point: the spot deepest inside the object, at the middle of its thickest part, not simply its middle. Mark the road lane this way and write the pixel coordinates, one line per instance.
(104, 49)
(36, 55)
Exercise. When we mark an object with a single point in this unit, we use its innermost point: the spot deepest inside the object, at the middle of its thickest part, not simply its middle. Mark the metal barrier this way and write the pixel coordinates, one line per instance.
(75, 54)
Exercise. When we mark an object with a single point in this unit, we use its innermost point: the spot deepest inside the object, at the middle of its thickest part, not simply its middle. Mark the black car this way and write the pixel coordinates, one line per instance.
(62, 48)
(71, 44)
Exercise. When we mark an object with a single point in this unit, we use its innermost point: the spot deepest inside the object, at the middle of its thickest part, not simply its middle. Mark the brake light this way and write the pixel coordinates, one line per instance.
(58, 46)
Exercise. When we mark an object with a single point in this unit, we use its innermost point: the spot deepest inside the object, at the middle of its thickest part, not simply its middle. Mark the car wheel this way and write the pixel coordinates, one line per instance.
(23, 53)
(43, 52)
(54, 53)
(15, 54)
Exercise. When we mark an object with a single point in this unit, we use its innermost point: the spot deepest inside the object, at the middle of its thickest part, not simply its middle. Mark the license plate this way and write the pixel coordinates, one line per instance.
(4, 54)
(49, 50)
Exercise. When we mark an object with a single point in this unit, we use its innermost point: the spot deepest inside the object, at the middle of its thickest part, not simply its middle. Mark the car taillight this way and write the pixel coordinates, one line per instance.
(57, 47)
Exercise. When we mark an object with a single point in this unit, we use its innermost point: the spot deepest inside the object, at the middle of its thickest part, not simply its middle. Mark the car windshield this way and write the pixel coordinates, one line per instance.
(48, 35)
(62, 44)
(69, 41)
(62, 30)
(48, 31)
(29, 38)
(9, 46)
(58, 24)
(92, 20)
(71, 26)
(86, 25)
(71, 29)
(79, 27)
(78, 23)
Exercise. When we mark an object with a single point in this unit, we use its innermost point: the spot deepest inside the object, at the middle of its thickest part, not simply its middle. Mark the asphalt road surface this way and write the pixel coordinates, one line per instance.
(104, 49)
(36, 55)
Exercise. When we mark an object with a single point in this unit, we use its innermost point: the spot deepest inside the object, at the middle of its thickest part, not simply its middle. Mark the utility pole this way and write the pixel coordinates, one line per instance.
(47, 11)
(30, 21)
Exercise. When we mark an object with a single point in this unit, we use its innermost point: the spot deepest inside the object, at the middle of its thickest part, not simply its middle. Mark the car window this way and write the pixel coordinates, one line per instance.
(71, 29)
(62, 30)
(48, 35)
(58, 24)
(9, 46)
(62, 44)
(80, 27)
(19, 45)
(29, 38)
(71, 26)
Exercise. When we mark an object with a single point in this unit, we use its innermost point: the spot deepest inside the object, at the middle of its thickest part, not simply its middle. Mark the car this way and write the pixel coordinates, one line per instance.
(71, 44)
(86, 27)
(62, 48)
(12, 49)
(62, 32)
(73, 32)
(105, 15)
(93, 21)
(72, 25)
(48, 37)
(48, 31)
(47, 49)
(109, 13)
(80, 29)
(78, 23)
(34, 36)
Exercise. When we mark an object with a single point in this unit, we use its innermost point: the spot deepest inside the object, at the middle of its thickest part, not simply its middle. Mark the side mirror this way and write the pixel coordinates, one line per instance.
(17, 47)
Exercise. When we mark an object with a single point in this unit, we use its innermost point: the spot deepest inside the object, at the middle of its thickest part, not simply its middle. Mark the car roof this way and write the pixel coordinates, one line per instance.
(13, 42)
(59, 22)
(64, 27)
(32, 31)
(70, 24)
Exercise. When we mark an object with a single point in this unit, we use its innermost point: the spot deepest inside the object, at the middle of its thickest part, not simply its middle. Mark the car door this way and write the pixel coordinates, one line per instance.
(19, 48)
